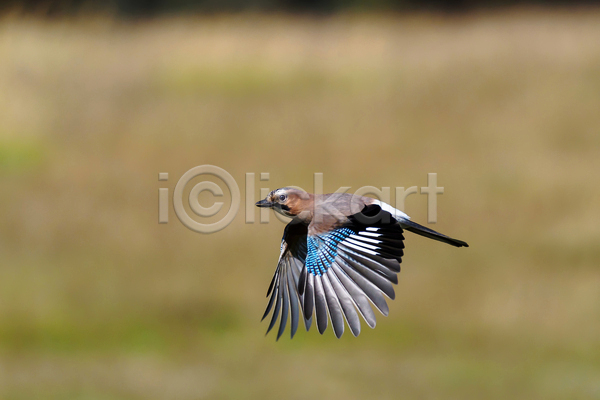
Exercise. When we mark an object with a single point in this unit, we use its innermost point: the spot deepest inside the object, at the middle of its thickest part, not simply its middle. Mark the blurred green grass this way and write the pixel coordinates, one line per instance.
(98, 301)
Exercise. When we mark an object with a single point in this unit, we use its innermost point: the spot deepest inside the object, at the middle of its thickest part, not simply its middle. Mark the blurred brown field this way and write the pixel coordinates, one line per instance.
(99, 301)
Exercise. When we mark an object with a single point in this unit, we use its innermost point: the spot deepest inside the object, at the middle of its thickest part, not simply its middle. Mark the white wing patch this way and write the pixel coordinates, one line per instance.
(397, 214)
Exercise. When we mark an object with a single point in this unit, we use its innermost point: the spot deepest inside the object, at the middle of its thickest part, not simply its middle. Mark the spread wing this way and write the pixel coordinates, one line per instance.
(350, 267)
(283, 290)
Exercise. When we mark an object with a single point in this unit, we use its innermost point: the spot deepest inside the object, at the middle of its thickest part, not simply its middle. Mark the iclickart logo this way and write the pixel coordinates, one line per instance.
(233, 191)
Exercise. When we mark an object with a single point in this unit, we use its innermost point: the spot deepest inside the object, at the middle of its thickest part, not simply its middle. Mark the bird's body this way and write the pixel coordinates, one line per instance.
(339, 254)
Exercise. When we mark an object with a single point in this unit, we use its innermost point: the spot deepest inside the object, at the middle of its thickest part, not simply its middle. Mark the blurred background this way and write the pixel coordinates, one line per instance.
(500, 99)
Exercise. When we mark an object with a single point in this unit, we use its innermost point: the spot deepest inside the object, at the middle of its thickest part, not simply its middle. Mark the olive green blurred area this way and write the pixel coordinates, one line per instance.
(99, 301)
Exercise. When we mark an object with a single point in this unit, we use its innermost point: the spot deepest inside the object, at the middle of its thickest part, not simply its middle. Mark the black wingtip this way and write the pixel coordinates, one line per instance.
(322, 328)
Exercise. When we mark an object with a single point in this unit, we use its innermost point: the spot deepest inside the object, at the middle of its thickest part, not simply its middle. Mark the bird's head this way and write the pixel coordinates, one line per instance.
(287, 201)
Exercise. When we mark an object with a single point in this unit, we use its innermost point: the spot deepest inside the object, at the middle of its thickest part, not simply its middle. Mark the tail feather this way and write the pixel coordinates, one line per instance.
(430, 233)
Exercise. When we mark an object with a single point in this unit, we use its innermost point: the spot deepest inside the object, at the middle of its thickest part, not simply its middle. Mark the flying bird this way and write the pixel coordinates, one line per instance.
(339, 254)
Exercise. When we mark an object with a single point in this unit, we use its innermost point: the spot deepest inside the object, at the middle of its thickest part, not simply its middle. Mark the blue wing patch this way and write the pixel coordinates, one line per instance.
(322, 250)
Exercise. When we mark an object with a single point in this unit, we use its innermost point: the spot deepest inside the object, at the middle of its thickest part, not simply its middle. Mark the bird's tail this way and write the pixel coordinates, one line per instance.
(430, 233)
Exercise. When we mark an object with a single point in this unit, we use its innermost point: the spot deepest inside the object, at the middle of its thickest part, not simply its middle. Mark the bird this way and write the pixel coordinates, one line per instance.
(339, 254)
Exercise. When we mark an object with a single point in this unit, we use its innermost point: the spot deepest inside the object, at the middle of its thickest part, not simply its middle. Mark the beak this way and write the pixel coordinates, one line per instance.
(264, 203)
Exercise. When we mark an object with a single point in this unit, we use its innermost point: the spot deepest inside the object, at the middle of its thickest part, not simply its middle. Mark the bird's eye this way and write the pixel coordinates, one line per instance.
(282, 197)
